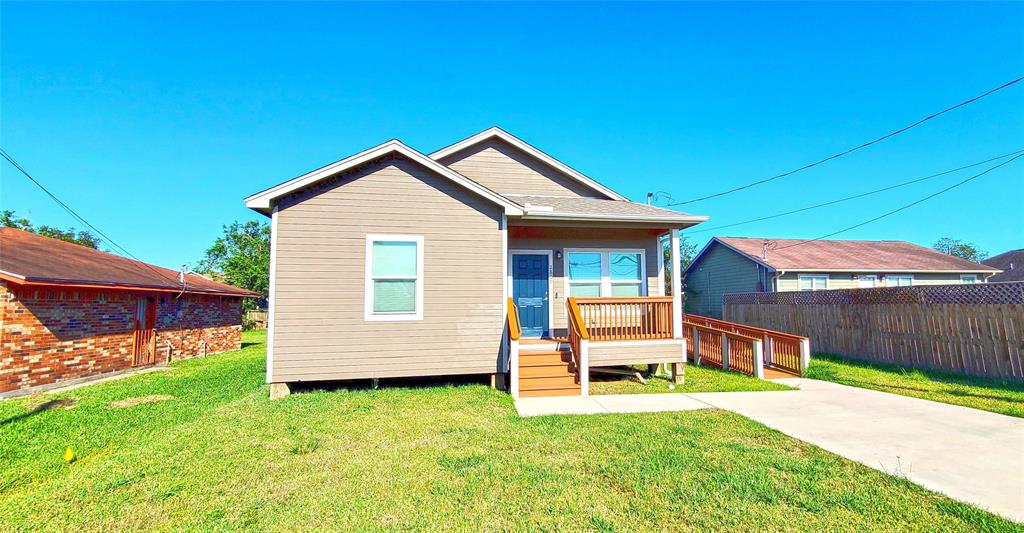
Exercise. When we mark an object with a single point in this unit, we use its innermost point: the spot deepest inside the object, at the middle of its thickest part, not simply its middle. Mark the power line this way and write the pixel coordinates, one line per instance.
(78, 217)
(854, 197)
(911, 204)
(851, 150)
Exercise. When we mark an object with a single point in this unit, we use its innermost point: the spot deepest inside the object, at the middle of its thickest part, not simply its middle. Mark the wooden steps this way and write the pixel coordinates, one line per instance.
(547, 373)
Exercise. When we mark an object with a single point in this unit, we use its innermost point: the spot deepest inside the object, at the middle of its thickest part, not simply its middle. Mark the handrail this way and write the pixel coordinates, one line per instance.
(576, 318)
(515, 328)
(728, 334)
(623, 299)
(760, 330)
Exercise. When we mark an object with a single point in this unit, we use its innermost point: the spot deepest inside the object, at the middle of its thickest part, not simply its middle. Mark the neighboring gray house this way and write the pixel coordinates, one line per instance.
(396, 263)
(742, 264)
(1011, 263)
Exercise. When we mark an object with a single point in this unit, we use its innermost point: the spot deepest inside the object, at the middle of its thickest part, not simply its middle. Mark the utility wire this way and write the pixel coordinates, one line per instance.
(78, 217)
(851, 150)
(907, 206)
(854, 197)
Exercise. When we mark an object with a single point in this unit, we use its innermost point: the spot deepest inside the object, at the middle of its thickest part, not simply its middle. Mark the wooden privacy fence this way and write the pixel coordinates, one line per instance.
(257, 317)
(974, 329)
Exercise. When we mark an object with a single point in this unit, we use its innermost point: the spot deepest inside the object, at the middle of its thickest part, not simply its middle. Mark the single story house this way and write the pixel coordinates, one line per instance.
(395, 263)
(743, 264)
(1011, 263)
(69, 312)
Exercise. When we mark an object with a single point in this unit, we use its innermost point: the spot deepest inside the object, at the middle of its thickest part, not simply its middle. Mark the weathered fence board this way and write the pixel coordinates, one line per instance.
(973, 329)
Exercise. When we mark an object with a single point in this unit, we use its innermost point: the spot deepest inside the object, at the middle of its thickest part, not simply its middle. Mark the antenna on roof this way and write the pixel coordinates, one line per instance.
(765, 246)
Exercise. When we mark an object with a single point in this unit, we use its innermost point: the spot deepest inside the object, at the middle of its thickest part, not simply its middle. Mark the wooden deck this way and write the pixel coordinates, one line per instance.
(777, 373)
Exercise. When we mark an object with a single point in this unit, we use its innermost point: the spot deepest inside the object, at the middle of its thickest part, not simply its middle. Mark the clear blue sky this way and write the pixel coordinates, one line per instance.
(155, 120)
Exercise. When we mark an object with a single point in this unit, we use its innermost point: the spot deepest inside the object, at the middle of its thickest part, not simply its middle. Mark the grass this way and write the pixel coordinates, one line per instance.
(998, 396)
(219, 455)
(697, 379)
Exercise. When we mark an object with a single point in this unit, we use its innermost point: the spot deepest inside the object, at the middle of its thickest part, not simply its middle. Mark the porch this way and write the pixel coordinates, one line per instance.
(606, 332)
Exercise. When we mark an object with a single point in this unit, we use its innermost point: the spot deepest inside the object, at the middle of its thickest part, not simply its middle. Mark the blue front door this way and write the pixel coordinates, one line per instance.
(530, 292)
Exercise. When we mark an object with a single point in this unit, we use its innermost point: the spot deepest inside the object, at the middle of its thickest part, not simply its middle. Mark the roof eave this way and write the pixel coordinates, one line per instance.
(594, 217)
(101, 285)
(263, 201)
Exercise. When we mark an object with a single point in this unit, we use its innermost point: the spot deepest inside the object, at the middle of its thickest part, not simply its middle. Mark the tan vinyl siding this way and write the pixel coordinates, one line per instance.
(604, 355)
(721, 271)
(790, 281)
(558, 239)
(319, 328)
(505, 169)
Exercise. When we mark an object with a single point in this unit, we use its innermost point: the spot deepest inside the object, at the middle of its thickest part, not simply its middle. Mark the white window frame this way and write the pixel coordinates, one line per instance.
(867, 277)
(606, 277)
(890, 280)
(969, 279)
(811, 277)
(368, 313)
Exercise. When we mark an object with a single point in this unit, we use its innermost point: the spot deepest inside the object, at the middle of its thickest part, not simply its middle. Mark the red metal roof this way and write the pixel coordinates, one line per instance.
(850, 255)
(30, 259)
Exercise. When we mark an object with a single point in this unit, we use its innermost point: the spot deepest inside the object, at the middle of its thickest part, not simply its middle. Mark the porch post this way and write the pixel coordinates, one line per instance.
(805, 355)
(696, 346)
(584, 367)
(677, 287)
(758, 359)
(725, 352)
(513, 368)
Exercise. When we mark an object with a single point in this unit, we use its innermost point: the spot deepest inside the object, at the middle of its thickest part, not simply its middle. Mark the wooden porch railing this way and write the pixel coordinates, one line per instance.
(515, 328)
(515, 332)
(579, 338)
(722, 349)
(781, 350)
(606, 319)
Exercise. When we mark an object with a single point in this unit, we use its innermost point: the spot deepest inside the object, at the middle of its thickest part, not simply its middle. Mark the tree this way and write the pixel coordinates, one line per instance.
(10, 219)
(241, 257)
(687, 251)
(959, 248)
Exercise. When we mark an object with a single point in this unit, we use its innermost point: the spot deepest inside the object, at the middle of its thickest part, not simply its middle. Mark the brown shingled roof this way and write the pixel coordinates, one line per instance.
(30, 259)
(850, 255)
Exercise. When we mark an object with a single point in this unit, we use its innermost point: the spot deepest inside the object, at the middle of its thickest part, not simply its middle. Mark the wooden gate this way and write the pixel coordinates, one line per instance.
(144, 336)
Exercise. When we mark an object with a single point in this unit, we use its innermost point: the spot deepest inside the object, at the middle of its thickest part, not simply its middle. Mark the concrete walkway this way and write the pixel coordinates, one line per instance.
(970, 455)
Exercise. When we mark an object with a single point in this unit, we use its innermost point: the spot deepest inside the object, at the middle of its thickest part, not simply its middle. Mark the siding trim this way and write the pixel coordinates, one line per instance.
(263, 200)
(270, 296)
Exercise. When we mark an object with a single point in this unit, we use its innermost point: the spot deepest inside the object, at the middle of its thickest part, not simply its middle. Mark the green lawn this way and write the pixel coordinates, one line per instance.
(998, 396)
(218, 455)
(698, 379)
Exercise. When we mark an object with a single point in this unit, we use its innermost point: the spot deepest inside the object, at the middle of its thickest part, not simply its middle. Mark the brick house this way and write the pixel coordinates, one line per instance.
(69, 312)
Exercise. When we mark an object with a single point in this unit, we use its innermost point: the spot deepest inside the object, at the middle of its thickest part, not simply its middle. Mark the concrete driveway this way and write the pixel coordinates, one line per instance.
(970, 455)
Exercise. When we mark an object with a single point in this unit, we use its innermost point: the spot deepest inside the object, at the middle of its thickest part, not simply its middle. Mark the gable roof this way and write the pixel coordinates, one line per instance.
(263, 201)
(556, 207)
(498, 133)
(845, 256)
(1011, 263)
(29, 259)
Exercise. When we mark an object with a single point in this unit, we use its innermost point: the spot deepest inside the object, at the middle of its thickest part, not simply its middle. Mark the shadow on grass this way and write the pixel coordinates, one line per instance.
(392, 383)
(45, 406)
